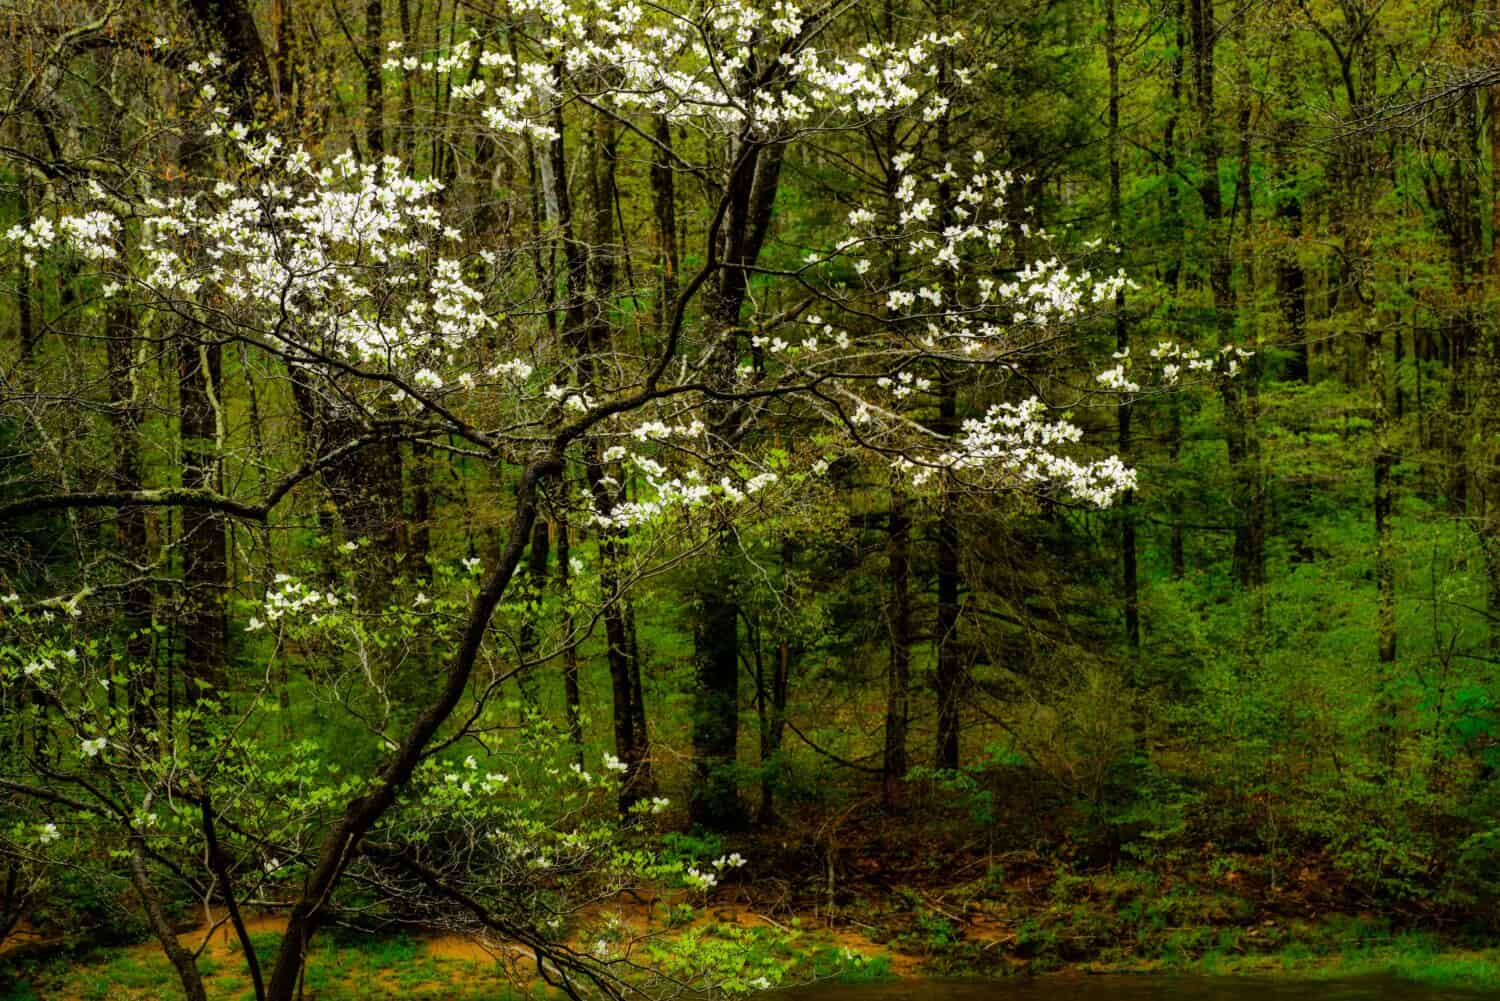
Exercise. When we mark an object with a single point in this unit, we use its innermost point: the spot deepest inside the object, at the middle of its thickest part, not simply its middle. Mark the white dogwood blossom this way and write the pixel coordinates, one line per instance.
(730, 66)
(352, 263)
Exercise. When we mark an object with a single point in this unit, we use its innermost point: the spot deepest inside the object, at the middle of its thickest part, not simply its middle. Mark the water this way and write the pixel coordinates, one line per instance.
(1140, 988)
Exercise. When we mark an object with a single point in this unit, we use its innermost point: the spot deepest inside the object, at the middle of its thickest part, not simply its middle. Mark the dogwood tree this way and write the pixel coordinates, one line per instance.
(353, 288)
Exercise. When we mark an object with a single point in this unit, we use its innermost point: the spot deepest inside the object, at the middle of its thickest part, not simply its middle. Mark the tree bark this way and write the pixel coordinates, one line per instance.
(898, 681)
(1291, 280)
(534, 589)
(182, 961)
(948, 680)
(233, 24)
(664, 203)
(204, 559)
(1489, 431)
(593, 337)
(750, 192)
(1172, 273)
(204, 551)
(130, 523)
(1248, 564)
(1129, 578)
(374, 60)
(572, 699)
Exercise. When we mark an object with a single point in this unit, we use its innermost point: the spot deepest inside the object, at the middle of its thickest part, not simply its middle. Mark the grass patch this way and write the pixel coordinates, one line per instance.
(1350, 951)
(339, 969)
(846, 966)
(19, 991)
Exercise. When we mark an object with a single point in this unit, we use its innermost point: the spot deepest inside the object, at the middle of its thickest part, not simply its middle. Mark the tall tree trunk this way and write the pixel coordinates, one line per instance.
(898, 680)
(533, 591)
(1461, 221)
(1248, 565)
(572, 699)
(1489, 431)
(771, 696)
(1385, 460)
(1291, 277)
(589, 282)
(640, 732)
(781, 676)
(130, 523)
(1291, 280)
(233, 25)
(366, 490)
(948, 680)
(949, 676)
(1359, 176)
(1385, 571)
(374, 80)
(204, 557)
(1250, 485)
(407, 140)
(419, 545)
(204, 550)
(1129, 581)
(27, 331)
(664, 202)
(1462, 215)
(1172, 272)
(592, 285)
(714, 801)
(279, 63)
(750, 188)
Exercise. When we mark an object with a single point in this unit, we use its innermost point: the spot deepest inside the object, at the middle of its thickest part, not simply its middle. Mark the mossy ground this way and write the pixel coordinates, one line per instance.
(1012, 915)
(401, 966)
(356, 968)
(1414, 957)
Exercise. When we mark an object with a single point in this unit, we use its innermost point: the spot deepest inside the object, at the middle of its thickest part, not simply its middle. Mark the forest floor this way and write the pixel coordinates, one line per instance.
(420, 967)
(863, 899)
(457, 968)
(942, 937)
(951, 899)
(909, 932)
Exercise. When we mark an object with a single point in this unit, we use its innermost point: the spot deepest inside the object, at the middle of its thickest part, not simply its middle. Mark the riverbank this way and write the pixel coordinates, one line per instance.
(453, 968)
(1414, 959)
(413, 967)
(870, 901)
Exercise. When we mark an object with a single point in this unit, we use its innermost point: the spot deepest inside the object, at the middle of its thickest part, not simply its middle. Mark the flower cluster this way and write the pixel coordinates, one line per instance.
(335, 265)
(291, 598)
(705, 880)
(91, 235)
(663, 494)
(731, 65)
(1177, 359)
(1014, 446)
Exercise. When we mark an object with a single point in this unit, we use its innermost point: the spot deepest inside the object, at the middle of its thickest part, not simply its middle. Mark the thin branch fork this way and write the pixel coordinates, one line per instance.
(193, 497)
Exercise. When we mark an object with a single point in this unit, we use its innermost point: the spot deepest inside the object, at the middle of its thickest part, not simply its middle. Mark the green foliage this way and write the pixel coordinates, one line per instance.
(1258, 752)
(846, 966)
(737, 959)
(963, 788)
(1131, 913)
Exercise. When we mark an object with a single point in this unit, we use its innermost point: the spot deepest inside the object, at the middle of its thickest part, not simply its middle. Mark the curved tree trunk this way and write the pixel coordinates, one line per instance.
(362, 813)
